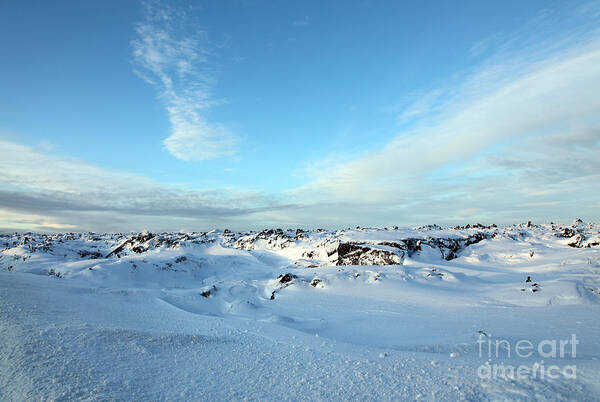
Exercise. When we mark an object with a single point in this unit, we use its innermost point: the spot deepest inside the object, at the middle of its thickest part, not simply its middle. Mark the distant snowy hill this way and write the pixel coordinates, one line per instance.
(291, 314)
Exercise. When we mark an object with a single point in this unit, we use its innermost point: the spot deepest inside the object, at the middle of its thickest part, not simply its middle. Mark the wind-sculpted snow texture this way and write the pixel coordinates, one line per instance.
(292, 314)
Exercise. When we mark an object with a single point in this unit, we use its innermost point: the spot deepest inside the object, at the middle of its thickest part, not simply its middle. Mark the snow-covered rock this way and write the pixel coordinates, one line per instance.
(295, 314)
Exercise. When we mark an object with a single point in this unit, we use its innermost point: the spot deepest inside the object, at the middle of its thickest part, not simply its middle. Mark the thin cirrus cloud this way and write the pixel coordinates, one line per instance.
(48, 192)
(302, 22)
(172, 55)
(518, 138)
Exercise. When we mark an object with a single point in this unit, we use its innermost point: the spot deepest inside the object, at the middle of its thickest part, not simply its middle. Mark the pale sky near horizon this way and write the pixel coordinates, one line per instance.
(246, 114)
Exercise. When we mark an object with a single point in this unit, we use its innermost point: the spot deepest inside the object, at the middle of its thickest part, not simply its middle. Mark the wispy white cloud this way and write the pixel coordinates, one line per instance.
(518, 133)
(44, 191)
(302, 22)
(172, 54)
(417, 106)
(517, 138)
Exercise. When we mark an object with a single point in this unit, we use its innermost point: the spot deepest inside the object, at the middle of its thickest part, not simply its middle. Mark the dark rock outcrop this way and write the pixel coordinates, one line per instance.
(286, 279)
(577, 241)
(566, 233)
(394, 252)
(364, 254)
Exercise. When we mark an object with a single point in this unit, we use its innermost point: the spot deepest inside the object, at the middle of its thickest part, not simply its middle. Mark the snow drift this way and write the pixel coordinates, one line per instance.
(294, 314)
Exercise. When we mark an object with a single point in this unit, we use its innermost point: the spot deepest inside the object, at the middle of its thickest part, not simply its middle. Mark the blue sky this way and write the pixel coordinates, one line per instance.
(249, 114)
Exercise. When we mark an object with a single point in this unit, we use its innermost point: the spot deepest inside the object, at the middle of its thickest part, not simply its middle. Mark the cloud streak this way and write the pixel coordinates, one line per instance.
(518, 138)
(58, 192)
(301, 23)
(172, 54)
(519, 133)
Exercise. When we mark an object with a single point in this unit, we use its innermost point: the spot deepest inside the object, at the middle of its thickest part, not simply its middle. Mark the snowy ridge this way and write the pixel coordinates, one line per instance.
(367, 309)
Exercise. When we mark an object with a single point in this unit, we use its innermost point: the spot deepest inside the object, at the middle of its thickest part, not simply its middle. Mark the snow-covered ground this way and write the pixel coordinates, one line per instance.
(425, 313)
